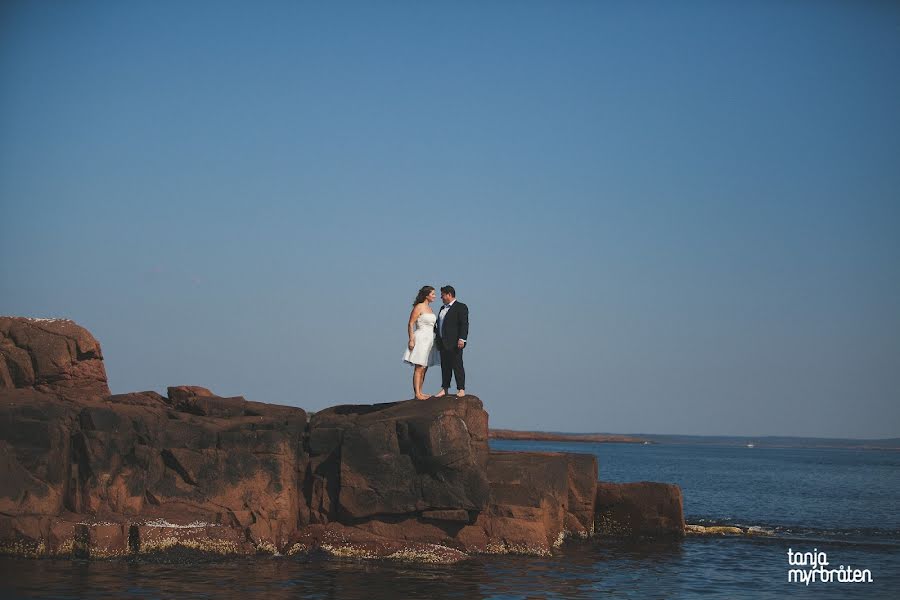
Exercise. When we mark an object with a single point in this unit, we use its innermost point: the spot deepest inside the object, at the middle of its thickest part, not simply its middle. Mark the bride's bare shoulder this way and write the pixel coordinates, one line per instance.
(419, 309)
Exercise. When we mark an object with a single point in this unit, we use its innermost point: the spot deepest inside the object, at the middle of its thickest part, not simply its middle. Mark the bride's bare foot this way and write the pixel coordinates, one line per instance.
(441, 393)
(461, 393)
(422, 397)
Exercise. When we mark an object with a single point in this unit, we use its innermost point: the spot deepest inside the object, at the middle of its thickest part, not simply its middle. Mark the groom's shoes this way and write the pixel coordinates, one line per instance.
(443, 392)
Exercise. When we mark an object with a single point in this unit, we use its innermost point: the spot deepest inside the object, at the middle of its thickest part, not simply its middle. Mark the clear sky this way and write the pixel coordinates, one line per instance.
(665, 217)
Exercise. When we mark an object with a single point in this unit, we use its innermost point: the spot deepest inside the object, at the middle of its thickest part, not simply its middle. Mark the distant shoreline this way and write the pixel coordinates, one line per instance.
(889, 444)
(544, 436)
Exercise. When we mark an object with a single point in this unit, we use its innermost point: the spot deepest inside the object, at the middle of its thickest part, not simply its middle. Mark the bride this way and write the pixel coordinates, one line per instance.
(420, 352)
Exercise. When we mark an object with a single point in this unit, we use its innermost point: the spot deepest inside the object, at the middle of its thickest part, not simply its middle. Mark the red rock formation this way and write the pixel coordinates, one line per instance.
(51, 355)
(87, 473)
(398, 458)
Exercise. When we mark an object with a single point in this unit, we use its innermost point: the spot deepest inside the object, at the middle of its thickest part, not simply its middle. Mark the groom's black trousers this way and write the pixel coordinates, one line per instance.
(452, 364)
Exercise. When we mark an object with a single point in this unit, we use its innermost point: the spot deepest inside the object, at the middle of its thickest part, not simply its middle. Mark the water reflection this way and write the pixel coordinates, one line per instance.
(725, 567)
(579, 571)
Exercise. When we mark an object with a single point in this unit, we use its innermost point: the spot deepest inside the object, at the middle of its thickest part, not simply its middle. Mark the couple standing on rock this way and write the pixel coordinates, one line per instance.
(445, 332)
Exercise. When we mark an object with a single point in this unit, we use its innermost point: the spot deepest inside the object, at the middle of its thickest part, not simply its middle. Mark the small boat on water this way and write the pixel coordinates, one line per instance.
(750, 444)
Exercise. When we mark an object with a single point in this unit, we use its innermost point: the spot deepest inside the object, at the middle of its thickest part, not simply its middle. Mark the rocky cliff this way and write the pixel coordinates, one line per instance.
(87, 473)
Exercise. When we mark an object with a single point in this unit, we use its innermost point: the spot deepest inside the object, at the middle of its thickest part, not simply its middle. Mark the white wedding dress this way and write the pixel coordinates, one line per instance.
(423, 353)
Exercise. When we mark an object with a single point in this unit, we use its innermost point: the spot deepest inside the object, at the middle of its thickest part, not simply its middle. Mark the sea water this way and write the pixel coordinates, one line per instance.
(840, 505)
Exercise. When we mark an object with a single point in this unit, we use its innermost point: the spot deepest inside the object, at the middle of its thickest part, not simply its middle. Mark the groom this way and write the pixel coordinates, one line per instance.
(452, 329)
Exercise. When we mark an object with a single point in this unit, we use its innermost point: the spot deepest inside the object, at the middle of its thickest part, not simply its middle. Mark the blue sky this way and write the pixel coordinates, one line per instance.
(664, 217)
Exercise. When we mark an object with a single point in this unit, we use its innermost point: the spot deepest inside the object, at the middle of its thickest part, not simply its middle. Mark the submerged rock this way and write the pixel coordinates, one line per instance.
(690, 529)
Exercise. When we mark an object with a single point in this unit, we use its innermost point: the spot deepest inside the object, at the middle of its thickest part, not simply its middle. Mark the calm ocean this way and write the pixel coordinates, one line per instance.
(838, 501)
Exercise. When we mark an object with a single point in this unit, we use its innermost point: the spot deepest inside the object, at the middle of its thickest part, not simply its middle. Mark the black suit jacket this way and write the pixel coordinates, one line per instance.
(456, 326)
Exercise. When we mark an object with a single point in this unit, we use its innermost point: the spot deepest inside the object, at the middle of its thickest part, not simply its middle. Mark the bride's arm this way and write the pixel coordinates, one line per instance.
(411, 326)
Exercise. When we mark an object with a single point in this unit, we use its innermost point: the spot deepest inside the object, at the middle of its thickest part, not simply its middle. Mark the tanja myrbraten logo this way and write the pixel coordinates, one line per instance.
(815, 569)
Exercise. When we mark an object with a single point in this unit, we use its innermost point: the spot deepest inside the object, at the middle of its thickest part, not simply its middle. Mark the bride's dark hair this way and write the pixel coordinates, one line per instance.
(423, 293)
